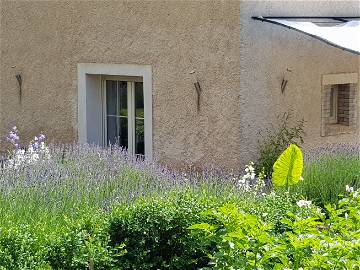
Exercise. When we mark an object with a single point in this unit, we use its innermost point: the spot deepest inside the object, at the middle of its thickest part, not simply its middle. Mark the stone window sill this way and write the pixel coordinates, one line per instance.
(337, 129)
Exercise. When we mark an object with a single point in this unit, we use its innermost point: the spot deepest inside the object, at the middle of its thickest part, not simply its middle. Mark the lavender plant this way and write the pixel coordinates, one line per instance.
(36, 151)
(75, 206)
(42, 183)
(327, 170)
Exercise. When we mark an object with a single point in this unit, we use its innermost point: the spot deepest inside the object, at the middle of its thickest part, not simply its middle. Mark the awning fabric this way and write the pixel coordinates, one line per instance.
(341, 32)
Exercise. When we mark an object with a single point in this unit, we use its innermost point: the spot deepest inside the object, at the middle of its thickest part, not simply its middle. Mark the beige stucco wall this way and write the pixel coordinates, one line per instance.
(268, 50)
(46, 39)
(240, 64)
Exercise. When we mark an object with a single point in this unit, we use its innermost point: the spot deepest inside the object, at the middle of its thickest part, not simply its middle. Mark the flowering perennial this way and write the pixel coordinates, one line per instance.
(304, 203)
(250, 182)
(36, 150)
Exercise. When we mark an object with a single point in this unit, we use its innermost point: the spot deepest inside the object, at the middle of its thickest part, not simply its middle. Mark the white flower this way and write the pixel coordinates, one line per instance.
(304, 203)
(319, 210)
(322, 243)
(241, 181)
(301, 178)
(349, 189)
(34, 153)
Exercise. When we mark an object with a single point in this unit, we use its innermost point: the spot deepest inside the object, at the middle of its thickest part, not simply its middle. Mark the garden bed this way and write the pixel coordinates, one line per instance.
(85, 207)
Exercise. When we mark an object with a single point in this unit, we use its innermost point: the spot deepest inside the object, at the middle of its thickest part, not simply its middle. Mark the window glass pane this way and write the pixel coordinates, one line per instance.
(332, 102)
(122, 99)
(343, 106)
(112, 127)
(123, 132)
(111, 98)
(139, 119)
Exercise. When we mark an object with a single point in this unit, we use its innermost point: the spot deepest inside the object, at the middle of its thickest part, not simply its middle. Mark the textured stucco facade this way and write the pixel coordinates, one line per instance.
(46, 39)
(268, 51)
(239, 64)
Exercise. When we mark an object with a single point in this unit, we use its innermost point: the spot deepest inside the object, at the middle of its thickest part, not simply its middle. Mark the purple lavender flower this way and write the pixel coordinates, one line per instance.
(41, 137)
(35, 145)
(13, 137)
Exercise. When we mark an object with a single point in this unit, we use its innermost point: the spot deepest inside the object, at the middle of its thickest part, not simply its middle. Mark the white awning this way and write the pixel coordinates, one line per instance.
(341, 32)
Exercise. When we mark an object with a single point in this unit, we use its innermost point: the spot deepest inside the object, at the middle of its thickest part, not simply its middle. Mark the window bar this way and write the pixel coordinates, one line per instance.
(104, 113)
(131, 116)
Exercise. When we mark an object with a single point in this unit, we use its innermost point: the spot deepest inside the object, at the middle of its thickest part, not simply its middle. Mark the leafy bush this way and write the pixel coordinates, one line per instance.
(86, 207)
(311, 241)
(19, 249)
(276, 139)
(242, 240)
(84, 244)
(155, 233)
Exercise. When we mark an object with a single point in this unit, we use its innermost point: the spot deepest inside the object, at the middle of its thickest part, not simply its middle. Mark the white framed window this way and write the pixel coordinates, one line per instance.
(123, 113)
(115, 106)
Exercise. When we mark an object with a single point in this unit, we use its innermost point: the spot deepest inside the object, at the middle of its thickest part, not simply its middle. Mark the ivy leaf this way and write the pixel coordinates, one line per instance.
(289, 167)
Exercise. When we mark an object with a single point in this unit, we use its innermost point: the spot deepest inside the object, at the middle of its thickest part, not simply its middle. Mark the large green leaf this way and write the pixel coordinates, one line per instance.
(289, 167)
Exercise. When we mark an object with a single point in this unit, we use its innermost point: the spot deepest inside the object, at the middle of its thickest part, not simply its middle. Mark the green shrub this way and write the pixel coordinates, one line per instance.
(242, 240)
(82, 244)
(20, 249)
(155, 232)
(276, 139)
(311, 240)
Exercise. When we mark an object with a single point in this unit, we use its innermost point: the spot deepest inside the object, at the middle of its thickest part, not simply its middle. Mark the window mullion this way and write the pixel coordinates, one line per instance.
(131, 118)
(104, 112)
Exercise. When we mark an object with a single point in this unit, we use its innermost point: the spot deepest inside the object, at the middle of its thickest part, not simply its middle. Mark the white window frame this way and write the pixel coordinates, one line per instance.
(130, 108)
(143, 72)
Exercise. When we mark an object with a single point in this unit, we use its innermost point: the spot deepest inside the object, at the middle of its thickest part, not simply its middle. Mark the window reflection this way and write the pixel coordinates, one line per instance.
(139, 119)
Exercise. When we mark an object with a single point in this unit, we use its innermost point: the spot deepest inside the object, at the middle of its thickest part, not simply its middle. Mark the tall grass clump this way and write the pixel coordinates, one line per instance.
(328, 170)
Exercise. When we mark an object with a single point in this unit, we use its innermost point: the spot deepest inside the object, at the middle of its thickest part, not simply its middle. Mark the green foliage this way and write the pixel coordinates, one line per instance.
(83, 244)
(329, 240)
(19, 249)
(288, 168)
(326, 178)
(271, 207)
(155, 232)
(318, 242)
(242, 240)
(276, 139)
(91, 208)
